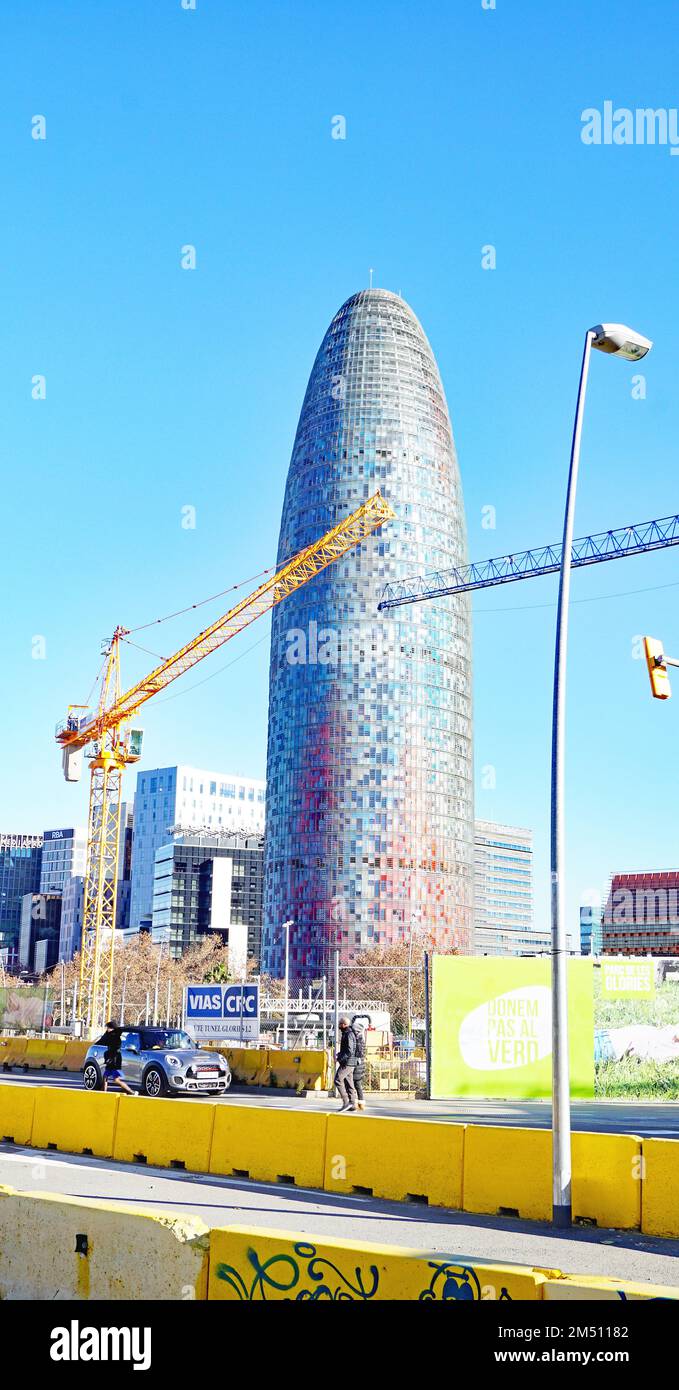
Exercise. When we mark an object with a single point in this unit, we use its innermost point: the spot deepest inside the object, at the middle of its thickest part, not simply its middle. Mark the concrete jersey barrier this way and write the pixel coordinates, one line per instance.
(56, 1248)
(619, 1180)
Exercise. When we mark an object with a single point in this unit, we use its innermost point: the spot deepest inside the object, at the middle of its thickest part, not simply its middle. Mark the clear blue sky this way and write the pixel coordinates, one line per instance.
(168, 388)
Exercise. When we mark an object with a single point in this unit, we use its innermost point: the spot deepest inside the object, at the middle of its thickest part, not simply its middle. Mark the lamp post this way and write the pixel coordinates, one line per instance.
(164, 938)
(415, 917)
(286, 929)
(615, 339)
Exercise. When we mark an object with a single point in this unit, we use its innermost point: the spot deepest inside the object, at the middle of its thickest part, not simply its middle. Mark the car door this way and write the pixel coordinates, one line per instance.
(130, 1050)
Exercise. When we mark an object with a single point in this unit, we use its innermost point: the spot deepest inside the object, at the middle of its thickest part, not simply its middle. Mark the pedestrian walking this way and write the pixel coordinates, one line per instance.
(113, 1059)
(359, 1065)
(346, 1057)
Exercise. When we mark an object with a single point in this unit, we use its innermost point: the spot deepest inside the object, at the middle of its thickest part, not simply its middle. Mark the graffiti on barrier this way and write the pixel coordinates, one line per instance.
(302, 1274)
(459, 1282)
(287, 1275)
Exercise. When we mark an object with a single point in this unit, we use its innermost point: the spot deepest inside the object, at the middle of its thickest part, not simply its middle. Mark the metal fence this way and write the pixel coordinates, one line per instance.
(389, 1003)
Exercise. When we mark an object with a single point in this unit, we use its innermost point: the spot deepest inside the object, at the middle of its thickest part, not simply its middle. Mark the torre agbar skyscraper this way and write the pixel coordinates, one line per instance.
(369, 770)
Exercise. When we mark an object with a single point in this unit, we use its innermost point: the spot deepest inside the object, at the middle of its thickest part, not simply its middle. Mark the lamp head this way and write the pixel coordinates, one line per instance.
(624, 342)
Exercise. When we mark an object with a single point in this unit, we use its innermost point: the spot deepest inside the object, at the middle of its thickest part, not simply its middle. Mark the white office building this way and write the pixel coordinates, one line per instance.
(503, 892)
(64, 854)
(72, 910)
(173, 801)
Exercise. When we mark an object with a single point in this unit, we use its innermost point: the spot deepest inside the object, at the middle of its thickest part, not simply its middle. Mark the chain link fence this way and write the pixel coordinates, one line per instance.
(388, 1001)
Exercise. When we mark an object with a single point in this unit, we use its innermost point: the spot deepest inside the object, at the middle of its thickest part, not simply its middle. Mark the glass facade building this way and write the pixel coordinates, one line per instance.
(20, 864)
(64, 854)
(170, 800)
(369, 767)
(503, 892)
(205, 883)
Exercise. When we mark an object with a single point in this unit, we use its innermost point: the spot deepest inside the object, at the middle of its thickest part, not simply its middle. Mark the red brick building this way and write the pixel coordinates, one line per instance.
(641, 915)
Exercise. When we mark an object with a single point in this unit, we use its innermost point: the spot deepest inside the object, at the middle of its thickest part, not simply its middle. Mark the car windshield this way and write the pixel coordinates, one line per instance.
(157, 1038)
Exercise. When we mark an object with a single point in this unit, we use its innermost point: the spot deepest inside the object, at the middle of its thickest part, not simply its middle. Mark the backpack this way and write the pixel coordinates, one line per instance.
(360, 1043)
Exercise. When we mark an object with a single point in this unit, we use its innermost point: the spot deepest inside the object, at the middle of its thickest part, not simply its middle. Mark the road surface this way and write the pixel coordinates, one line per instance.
(230, 1201)
(656, 1120)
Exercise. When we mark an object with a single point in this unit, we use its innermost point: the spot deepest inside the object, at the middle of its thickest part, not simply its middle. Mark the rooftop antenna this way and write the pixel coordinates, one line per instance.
(371, 277)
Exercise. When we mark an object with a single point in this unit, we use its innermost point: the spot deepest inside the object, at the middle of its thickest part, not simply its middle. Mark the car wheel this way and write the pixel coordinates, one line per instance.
(154, 1084)
(92, 1077)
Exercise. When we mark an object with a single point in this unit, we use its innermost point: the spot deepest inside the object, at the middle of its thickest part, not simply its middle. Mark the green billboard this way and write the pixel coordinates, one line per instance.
(491, 1027)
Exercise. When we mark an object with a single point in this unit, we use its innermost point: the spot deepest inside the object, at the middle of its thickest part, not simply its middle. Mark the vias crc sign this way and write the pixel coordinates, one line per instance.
(222, 1011)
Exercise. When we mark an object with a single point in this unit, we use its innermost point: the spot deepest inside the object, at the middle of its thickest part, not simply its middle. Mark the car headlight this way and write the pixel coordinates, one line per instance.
(173, 1061)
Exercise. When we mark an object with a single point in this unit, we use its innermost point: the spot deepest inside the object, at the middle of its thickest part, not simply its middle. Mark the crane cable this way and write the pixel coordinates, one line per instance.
(201, 602)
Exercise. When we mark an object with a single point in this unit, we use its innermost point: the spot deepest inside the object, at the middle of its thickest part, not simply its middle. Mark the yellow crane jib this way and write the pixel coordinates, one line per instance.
(114, 746)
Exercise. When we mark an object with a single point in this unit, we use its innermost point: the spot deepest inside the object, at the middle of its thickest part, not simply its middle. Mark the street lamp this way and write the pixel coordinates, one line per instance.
(616, 339)
(414, 917)
(164, 939)
(286, 928)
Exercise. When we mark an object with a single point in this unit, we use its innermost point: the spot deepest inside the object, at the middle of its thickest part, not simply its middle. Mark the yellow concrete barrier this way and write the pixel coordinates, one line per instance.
(249, 1065)
(509, 1171)
(607, 1171)
(66, 1248)
(50, 1054)
(74, 1055)
(590, 1289)
(13, 1052)
(301, 1070)
(269, 1145)
(17, 1104)
(660, 1187)
(164, 1133)
(314, 1071)
(255, 1266)
(399, 1159)
(43, 1052)
(75, 1121)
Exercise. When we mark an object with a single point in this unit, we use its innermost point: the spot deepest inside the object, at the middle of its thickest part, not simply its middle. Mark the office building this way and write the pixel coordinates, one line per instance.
(503, 892)
(208, 883)
(369, 766)
(72, 908)
(590, 929)
(173, 801)
(20, 863)
(64, 854)
(40, 924)
(641, 914)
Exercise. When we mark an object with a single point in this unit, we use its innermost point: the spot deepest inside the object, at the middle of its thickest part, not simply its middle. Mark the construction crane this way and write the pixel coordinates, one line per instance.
(531, 564)
(107, 736)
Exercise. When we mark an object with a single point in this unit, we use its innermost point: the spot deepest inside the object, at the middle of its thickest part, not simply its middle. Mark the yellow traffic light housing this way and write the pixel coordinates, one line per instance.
(657, 668)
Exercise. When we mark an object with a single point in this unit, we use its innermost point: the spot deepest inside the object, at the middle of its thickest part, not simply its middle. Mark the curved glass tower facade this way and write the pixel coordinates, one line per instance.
(369, 769)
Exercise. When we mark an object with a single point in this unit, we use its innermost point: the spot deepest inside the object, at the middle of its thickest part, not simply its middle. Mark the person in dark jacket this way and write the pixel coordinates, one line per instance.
(346, 1057)
(359, 1065)
(113, 1060)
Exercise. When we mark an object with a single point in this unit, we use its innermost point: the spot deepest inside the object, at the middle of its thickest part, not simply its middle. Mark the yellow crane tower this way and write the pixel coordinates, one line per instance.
(107, 736)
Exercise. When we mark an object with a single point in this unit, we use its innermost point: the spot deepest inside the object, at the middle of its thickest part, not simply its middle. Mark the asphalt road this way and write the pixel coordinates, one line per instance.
(646, 1118)
(230, 1201)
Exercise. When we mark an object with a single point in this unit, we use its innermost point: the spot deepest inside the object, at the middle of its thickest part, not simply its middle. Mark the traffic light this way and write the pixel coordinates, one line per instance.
(657, 668)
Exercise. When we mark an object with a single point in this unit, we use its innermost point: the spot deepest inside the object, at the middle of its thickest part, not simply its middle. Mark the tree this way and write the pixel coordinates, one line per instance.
(382, 973)
(139, 967)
